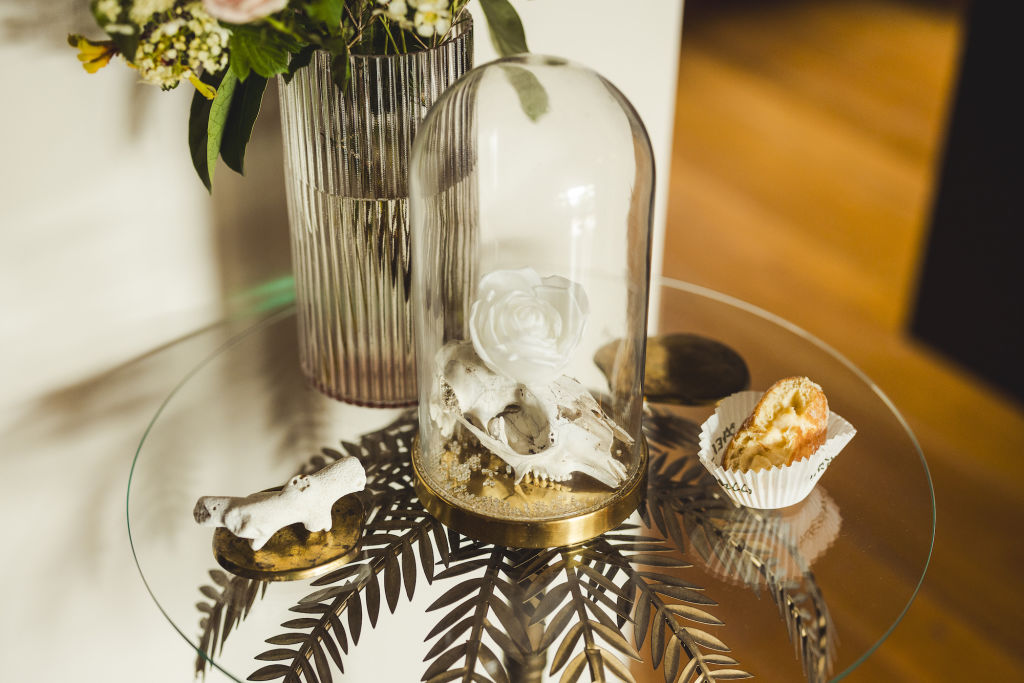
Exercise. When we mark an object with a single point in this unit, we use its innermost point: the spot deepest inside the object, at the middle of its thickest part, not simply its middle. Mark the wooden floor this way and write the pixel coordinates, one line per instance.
(806, 144)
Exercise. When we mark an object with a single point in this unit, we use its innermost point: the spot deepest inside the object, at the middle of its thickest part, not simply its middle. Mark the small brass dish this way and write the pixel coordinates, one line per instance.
(293, 552)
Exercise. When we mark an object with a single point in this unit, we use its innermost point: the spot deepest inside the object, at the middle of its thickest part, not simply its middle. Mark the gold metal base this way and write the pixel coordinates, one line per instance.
(294, 553)
(522, 533)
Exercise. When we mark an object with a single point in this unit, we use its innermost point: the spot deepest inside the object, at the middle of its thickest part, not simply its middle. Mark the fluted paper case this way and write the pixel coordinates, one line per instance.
(531, 184)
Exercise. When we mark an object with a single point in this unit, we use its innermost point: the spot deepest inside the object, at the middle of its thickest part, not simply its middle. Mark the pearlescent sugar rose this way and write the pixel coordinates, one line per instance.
(242, 11)
(525, 326)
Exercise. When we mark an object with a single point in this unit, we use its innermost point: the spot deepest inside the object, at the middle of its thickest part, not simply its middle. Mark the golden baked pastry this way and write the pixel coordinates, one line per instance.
(788, 424)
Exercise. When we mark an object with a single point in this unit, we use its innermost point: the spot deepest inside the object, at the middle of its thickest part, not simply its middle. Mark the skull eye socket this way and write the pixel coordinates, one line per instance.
(522, 427)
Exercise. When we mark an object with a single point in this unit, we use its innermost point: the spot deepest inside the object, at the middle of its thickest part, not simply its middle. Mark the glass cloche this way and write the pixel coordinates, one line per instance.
(531, 184)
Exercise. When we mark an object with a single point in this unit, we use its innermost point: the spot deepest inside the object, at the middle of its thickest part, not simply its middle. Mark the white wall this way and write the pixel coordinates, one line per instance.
(633, 44)
(104, 233)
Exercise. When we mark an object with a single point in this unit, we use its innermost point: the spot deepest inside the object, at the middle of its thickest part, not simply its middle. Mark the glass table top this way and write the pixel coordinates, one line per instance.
(804, 593)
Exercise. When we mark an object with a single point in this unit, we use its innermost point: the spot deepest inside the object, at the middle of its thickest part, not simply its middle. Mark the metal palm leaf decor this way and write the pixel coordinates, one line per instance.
(488, 605)
(513, 614)
(230, 601)
(602, 579)
(685, 504)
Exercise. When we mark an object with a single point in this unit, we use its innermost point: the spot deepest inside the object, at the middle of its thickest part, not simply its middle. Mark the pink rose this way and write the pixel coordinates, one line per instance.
(242, 11)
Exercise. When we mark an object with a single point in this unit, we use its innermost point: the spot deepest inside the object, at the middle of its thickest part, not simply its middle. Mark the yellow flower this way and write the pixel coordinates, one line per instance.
(94, 55)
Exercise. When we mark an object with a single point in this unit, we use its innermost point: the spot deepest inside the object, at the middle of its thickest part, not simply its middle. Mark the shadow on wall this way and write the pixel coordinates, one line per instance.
(133, 255)
(251, 237)
(36, 21)
(45, 25)
(250, 223)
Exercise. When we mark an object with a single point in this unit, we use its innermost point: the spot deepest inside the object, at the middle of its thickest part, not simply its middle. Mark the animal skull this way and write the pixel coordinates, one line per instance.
(551, 430)
(306, 498)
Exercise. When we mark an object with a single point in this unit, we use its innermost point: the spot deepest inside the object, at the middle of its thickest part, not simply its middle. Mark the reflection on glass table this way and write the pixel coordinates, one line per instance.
(691, 583)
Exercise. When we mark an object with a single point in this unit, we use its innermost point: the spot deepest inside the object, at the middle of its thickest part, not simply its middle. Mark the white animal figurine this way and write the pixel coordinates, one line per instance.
(306, 498)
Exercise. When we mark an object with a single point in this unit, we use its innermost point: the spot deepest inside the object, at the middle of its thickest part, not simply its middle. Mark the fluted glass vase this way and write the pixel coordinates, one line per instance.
(346, 166)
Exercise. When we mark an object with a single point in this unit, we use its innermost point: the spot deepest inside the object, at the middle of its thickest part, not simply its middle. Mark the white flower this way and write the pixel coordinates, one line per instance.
(243, 11)
(396, 10)
(187, 43)
(143, 10)
(108, 10)
(432, 16)
(527, 327)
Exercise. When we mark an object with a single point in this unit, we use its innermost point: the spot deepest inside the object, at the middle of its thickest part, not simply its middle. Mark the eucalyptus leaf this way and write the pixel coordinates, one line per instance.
(505, 26)
(533, 98)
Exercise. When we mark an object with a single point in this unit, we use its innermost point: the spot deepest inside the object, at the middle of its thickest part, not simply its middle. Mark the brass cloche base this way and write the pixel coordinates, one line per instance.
(294, 553)
(520, 533)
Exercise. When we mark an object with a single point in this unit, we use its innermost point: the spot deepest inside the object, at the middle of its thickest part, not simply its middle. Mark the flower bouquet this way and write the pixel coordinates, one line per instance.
(227, 49)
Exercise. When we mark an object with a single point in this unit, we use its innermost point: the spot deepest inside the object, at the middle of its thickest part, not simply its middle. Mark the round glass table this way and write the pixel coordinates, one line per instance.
(690, 583)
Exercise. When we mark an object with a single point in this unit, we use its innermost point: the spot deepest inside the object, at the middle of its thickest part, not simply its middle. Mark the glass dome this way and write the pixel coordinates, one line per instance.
(531, 184)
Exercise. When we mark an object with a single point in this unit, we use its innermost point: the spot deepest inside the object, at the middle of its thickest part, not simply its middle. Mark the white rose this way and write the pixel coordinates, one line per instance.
(527, 327)
(242, 11)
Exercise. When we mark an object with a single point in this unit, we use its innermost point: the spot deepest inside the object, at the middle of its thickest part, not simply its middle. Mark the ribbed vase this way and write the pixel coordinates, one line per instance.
(346, 158)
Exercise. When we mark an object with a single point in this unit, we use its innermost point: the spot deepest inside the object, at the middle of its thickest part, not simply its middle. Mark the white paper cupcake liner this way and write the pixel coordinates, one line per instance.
(774, 488)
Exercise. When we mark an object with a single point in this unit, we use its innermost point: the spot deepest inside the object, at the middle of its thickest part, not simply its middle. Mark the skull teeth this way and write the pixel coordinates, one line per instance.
(544, 480)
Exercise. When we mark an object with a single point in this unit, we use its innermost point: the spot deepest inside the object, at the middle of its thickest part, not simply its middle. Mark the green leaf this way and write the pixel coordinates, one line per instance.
(299, 60)
(327, 12)
(245, 107)
(533, 98)
(256, 49)
(341, 65)
(198, 130)
(239, 65)
(127, 44)
(505, 26)
(219, 111)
